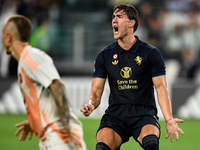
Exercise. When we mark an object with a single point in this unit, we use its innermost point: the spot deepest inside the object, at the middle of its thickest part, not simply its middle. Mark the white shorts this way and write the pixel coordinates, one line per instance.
(52, 141)
(65, 146)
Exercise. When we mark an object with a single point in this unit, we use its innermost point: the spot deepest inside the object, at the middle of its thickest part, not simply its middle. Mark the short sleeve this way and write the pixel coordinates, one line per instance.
(46, 72)
(157, 63)
(99, 67)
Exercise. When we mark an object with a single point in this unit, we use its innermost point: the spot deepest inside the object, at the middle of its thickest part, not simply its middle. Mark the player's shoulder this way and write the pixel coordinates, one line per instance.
(148, 49)
(146, 46)
(37, 54)
(111, 47)
(35, 51)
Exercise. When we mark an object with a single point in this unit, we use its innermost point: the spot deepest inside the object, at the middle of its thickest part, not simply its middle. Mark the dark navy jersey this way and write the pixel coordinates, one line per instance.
(130, 72)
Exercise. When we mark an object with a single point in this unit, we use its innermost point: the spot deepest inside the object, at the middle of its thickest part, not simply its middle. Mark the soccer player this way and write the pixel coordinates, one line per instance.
(133, 68)
(48, 110)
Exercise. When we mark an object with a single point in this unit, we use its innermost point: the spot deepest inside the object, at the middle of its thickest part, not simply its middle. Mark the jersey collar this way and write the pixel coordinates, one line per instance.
(133, 49)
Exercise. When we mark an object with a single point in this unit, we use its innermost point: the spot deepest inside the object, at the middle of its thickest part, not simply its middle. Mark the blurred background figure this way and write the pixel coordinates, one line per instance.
(188, 65)
(40, 35)
(8, 65)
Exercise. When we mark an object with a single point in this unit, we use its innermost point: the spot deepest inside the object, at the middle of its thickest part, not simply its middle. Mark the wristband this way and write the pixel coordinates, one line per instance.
(168, 120)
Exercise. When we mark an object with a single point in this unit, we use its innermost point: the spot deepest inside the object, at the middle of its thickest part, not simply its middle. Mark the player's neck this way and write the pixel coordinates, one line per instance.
(18, 48)
(127, 42)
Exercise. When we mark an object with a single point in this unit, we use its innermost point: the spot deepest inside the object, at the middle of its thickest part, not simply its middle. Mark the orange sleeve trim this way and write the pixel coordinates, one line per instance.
(28, 60)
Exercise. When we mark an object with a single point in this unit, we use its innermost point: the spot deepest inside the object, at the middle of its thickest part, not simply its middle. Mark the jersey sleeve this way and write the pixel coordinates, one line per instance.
(99, 67)
(46, 71)
(157, 63)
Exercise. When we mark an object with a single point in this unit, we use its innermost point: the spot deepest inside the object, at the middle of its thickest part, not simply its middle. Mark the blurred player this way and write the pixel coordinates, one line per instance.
(133, 68)
(48, 111)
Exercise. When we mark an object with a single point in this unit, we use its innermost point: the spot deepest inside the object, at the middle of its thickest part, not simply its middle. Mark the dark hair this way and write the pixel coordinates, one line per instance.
(131, 12)
(23, 26)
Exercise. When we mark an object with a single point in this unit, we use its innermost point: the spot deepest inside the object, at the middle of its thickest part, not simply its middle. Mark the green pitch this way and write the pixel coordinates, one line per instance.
(8, 141)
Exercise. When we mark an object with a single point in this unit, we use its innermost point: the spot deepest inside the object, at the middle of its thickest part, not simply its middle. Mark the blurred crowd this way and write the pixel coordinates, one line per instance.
(175, 29)
(171, 25)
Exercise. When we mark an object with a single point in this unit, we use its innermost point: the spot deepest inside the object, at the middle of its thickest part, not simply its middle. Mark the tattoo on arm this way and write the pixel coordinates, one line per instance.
(58, 91)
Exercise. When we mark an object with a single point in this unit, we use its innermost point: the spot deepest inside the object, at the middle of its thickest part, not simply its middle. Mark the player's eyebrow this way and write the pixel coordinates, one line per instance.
(118, 15)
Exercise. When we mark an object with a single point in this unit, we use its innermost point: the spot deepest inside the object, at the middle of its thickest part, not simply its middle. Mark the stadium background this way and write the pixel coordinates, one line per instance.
(72, 32)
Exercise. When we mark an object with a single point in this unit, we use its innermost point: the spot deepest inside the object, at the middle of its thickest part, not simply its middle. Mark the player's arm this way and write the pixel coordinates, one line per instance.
(165, 105)
(58, 91)
(94, 97)
(163, 96)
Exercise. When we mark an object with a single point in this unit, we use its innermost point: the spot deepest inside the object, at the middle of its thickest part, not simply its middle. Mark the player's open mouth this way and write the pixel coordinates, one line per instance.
(115, 29)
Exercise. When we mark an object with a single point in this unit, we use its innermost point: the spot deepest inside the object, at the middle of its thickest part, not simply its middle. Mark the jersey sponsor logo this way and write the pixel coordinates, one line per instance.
(115, 62)
(138, 60)
(127, 84)
(126, 72)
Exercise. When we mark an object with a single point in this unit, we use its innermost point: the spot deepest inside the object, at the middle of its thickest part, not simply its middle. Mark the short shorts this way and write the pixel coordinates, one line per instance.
(54, 141)
(64, 146)
(128, 120)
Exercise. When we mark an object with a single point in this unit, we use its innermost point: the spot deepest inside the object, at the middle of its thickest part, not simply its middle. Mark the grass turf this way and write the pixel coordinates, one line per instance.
(8, 141)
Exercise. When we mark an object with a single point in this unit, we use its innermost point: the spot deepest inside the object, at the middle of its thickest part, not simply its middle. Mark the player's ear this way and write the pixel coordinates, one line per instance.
(8, 37)
(131, 23)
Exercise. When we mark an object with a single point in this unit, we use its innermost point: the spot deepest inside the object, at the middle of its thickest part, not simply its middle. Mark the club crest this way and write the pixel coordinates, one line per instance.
(138, 60)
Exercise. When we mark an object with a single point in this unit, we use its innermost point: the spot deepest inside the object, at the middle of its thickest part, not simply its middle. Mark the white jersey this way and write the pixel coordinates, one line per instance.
(36, 72)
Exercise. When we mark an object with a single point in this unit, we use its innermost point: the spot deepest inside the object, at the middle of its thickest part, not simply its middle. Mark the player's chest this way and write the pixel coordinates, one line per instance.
(127, 65)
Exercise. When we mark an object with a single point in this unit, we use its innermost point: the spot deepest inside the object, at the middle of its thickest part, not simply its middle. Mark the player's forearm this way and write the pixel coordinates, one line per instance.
(165, 103)
(96, 91)
(58, 91)
(94, 99)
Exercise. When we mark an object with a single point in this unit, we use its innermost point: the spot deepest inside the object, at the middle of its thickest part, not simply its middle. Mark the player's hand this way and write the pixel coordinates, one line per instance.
(25, 128)
(75, 137)
(87, 109)
(172, 128)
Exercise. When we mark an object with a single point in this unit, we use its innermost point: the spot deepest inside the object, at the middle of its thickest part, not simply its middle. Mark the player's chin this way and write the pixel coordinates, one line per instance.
(116, 37)
(8, 52)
